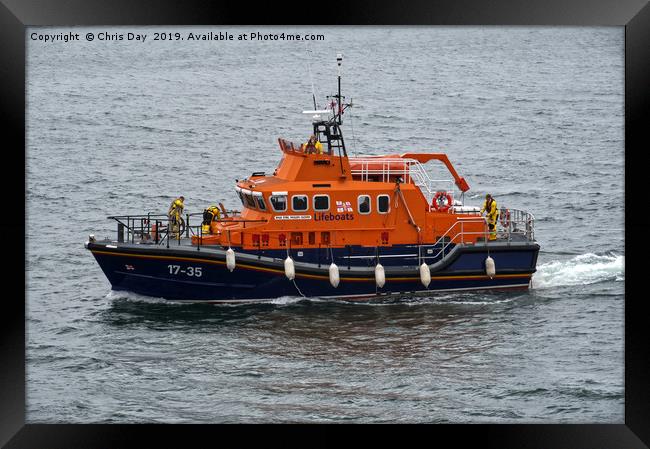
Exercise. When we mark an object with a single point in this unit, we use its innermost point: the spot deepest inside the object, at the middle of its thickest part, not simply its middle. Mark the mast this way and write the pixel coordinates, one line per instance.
(330, 128)
(337, 128)
(339, 60)
(334, 134)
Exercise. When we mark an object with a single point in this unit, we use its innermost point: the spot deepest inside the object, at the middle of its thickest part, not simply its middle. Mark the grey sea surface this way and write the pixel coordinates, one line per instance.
(533, 115)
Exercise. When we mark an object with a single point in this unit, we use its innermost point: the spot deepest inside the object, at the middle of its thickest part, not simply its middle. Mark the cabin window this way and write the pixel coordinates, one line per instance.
(364, 204)
(299, 203)
(260, 202)
(279, 202)
(383, 204)
(321, 203)
(241, 197)
(250, 202)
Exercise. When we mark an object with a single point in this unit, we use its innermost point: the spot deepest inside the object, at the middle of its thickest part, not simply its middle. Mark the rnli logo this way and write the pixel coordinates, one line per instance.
(343, 206)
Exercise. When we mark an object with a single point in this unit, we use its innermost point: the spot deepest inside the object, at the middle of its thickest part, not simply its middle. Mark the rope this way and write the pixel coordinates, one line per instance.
(294, 279)
(294, 283)
(411, 221)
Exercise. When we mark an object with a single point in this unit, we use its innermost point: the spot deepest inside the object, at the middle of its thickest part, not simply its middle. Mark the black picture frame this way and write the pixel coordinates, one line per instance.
(16, 15)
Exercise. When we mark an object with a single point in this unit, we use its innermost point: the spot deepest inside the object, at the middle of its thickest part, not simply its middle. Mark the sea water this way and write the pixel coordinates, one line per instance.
(533, 115)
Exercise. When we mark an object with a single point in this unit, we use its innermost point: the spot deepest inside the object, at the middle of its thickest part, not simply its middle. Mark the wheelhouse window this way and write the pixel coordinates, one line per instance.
(299, 203)
(278, 201)
(260, 202)
(321, 203)
(241, 196)
(259, 199)
(364, 204)
(383, 204)
(248, 197)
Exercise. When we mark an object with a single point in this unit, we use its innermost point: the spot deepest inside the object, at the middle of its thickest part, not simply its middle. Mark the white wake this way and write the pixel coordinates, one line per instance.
(581, 270)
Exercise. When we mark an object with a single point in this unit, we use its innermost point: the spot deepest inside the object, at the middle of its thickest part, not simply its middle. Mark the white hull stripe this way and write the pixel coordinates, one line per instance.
(381, 257)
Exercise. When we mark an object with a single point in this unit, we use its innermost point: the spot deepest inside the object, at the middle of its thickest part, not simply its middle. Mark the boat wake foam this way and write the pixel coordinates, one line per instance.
(284, 300)
(580, 270)
(134, 297)
(122, 295)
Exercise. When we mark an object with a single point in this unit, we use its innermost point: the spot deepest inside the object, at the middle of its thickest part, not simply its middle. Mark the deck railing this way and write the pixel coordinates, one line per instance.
(382, 170)
(140, 228)
(152, 228)
(512, 223)
(518, 223)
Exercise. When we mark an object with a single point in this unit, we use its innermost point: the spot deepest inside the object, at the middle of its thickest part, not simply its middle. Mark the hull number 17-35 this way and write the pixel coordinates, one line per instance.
(188, 271)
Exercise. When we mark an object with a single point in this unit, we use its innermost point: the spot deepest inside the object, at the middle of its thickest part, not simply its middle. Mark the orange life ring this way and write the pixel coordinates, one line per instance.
(505, 218)
(437, 197)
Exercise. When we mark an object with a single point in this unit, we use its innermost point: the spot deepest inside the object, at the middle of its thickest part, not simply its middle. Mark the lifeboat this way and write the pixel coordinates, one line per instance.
(325, 224)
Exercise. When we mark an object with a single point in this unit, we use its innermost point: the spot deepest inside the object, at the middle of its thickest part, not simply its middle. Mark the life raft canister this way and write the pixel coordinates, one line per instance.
(505, 218)
(438, 198)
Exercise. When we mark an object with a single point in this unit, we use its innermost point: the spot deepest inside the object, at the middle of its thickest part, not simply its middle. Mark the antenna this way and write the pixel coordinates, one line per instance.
(339, 60)
(313, 91)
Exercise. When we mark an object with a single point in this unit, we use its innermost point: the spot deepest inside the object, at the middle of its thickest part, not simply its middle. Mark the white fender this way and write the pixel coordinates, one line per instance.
(380, 277)
(334, 275)
(490, 270)
(230, 259)
(425, 274)
(289, 269)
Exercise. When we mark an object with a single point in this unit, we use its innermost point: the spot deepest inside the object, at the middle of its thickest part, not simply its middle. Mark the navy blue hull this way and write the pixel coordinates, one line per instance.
(183, 275)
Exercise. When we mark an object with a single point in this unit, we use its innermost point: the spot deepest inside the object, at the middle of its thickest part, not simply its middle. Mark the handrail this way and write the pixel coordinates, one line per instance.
(511, 222)
(516, 218)
(139, 227)
(409, 169)
(385, 171)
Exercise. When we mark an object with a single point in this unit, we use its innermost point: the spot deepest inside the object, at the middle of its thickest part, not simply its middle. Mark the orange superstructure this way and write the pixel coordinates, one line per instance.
(334, 200)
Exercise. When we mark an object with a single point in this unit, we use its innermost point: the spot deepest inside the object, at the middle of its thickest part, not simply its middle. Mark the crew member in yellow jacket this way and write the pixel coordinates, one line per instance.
(210, 214)
(175, 214)
(313, 145)
(490, 207)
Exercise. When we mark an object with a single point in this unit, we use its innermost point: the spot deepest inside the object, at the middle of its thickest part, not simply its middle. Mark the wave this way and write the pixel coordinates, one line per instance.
(580, 270)
(121, 295)
(285, 300)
